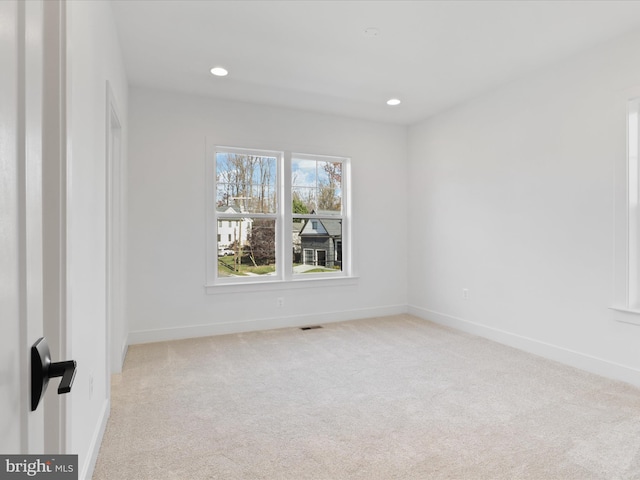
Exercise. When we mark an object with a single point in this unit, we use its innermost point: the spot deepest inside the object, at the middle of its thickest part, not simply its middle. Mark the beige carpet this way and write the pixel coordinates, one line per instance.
(386, 398)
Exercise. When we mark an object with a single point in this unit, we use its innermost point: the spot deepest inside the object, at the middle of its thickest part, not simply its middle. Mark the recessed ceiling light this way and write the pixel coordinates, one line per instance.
(393, 101)
(372, 32)
(219, 71)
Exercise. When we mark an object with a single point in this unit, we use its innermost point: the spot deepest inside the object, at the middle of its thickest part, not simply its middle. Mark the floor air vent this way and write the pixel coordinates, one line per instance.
(313, 327)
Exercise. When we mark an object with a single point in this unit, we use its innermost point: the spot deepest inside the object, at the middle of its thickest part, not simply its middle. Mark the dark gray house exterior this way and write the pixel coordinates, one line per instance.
(321, 242)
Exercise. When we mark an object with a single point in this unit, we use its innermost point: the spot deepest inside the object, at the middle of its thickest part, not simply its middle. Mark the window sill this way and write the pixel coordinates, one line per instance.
(626, 315)
(226, 288)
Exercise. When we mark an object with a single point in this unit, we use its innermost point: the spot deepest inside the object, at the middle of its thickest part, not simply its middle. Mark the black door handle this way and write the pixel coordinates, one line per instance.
(66, 370)
(42, 370)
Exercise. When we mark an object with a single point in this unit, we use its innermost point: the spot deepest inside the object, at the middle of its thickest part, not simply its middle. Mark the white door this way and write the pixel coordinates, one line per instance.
(21, 220)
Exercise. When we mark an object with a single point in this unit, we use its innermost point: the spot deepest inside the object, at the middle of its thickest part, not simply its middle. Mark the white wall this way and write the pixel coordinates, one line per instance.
(166, 239)
(512, 197)
(94, 58)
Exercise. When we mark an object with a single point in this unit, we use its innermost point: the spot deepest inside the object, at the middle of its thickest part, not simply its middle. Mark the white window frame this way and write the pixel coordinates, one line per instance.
(633, 207)
(627, 248)
(347, 268)
(284, 276)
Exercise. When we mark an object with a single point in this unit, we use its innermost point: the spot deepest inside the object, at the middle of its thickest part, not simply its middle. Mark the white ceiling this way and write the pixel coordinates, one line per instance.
(314, 55)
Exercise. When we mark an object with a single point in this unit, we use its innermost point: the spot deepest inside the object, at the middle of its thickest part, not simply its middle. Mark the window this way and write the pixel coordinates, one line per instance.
(309, 258)
(633, 207)
(283, 216)
(317, 212)
(246, 210)
(626, 290)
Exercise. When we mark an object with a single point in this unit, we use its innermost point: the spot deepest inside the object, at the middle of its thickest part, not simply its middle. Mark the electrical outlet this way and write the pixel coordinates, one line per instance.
(279, 302)
(465, 293)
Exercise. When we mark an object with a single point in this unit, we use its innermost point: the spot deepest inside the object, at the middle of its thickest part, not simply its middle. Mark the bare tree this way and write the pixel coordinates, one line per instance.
(328, 196)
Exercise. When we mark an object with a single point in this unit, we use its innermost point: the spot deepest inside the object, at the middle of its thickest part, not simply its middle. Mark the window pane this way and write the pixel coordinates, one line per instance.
(304, 199)
(317, 245)
(316, 186)
(329, 186)
(246, 183)
(251, 250)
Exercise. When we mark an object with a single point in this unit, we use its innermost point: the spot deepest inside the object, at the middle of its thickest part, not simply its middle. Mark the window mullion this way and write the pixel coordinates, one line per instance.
(347, 250)
(286, 220)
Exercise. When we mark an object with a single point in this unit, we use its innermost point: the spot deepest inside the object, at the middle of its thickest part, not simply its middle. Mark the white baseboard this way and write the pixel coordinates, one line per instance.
(566, 356)
(89, 463)
(193, 331)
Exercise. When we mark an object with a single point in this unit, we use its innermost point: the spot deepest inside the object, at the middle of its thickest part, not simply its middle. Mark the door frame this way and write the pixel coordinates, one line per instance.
(55, 138)
(116, 346)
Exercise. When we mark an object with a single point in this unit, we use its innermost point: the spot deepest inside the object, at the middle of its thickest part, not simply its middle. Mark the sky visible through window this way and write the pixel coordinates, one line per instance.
(317, 185)
(246, 181)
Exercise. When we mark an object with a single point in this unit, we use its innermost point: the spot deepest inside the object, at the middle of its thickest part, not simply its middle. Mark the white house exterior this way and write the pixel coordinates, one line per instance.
(231, 230)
